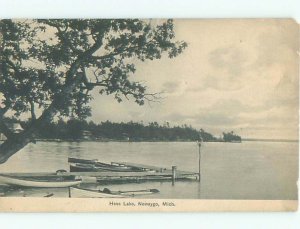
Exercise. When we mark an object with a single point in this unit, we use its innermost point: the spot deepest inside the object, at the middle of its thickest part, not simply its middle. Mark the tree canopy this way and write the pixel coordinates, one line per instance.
(78, 130)
(51, 66)
(231, 137)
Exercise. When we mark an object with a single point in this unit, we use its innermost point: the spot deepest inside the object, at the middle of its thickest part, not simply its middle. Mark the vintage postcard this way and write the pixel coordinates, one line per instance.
(155, 115)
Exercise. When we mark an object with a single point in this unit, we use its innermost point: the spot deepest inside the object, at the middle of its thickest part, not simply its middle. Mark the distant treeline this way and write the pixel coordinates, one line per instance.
(231, 137)
(130, 131)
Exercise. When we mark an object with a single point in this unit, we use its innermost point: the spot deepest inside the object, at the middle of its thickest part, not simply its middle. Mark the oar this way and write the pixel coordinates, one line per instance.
(49, 195)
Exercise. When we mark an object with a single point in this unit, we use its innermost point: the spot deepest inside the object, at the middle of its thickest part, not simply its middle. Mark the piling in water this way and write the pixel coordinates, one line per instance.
(174, 168)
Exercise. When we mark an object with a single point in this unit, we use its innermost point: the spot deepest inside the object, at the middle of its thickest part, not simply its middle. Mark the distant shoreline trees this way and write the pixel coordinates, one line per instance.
(49, 68)
(231, 137)
(79, 130)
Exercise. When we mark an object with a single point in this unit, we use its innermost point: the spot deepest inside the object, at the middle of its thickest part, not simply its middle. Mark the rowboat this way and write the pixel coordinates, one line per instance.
(98, 168)
(79, 160)
(106, 193)
(88, 165)
(95, 162)
(87, 193)
(40, 182)
(137, 192)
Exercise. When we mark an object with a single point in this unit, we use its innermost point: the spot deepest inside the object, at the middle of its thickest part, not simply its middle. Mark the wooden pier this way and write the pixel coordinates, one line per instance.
(150, 173)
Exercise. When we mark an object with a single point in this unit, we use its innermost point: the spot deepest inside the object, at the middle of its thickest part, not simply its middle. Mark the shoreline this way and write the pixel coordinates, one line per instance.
(115, 140)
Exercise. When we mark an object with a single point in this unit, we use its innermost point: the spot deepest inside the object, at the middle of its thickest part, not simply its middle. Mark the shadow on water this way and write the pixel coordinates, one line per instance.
(35, 192)
(167, 189)
(199, 190)
(230, 171)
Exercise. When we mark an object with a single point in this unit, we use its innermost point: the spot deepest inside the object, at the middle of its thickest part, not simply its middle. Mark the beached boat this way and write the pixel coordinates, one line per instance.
(87, 161)
(40, 182)
(94, 162)
(83, 161)
(87, 165)
(87, 193)
(106, 193)
(82, 168)
(78, 167)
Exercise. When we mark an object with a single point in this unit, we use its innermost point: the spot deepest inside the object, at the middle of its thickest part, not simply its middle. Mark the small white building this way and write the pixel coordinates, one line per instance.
(14, 127)
(2, 137)
(87, 135)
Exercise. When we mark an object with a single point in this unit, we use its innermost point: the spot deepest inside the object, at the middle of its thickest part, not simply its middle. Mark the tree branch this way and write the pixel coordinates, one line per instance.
(131, 48)
(72, 80)
(5, 130)
(153, 97)
(32, 111)
(115, 53)
(3, 111)
(90, 85)
(63, 38)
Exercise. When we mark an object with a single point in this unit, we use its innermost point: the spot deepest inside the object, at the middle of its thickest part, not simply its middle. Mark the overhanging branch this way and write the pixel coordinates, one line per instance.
(116, 53)
(32, 110)
(5, 130)
(63, 38)
(90, 85)
(3, 111)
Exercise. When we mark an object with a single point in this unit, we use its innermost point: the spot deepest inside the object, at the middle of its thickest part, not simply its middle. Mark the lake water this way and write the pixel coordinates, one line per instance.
(248, 170)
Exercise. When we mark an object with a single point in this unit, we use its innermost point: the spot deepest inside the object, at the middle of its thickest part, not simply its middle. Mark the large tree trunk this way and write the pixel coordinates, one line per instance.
(11, 146)
(18, 141)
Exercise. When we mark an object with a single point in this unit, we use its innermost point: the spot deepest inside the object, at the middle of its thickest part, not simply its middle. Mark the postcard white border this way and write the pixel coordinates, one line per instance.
(196, 9)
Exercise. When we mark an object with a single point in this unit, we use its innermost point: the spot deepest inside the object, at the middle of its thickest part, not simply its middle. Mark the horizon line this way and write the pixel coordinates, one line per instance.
(270, 139)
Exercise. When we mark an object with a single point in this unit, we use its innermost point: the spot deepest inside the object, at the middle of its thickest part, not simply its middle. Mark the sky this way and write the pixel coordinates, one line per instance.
(235, 75)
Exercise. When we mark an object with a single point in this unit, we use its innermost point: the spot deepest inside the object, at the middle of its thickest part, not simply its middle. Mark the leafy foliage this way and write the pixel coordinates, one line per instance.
(50, 67)
(132, 131)
(58, 62)
(231, 137)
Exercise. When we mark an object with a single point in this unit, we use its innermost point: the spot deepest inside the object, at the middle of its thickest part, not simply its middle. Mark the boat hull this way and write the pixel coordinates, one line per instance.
(18, 181)
(97, 168)
(90, 162)
(84, 193)
(137, 193)
(78, 160)
(96, 165)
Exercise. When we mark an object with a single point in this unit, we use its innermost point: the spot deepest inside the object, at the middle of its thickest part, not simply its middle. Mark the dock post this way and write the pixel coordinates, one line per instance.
(199, 143)
(173, 174)
(199, 163)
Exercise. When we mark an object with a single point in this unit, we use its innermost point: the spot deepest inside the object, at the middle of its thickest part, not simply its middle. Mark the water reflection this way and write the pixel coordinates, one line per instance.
(250, 170)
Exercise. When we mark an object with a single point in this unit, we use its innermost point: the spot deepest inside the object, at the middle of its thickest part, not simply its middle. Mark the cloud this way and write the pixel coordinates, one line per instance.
(239, 75)
(170, 86)
(286, 91)
(278, 44)
(221, 113)
(230, 58)
(178, 117)
(227, 68)
(214, 118)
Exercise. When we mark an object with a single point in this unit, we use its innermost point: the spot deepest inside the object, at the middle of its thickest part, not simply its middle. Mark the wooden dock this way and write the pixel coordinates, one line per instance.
(152, 168)
(150, 173)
